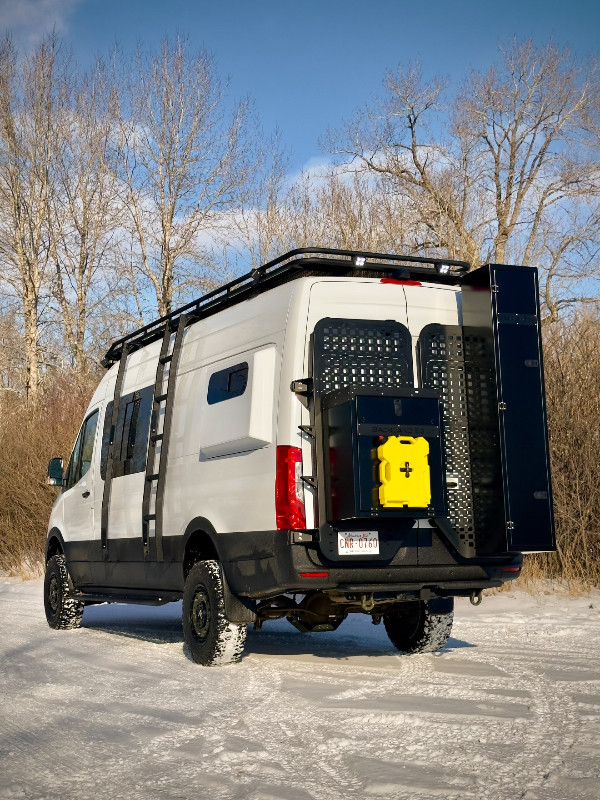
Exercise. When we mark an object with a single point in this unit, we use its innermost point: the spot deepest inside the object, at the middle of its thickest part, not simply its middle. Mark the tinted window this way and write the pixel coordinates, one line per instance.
(87, 447)
(227, 383)
(131, 433)
(72, 468)
(132, 409)
(81, 459)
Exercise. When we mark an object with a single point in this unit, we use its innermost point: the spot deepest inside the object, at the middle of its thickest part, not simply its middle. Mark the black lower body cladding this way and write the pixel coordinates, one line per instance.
(267, 563)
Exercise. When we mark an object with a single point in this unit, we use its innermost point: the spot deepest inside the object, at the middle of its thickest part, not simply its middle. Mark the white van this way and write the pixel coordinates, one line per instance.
(335, 432)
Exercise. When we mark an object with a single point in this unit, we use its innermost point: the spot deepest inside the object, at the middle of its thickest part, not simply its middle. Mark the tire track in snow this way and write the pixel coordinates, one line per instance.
(499, 715)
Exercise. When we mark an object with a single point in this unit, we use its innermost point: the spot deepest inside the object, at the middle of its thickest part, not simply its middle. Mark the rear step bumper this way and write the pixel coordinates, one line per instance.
(299, 568)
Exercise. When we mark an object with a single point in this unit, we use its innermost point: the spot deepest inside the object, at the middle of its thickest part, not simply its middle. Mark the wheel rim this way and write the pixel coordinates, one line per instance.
(413, 619)
(201, 614)
(408, 618)
(53, 594)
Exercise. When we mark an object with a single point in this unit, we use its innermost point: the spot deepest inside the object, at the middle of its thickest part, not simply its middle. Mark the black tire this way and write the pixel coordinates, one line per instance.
(63, 611)
(211, 639)
(420, 626)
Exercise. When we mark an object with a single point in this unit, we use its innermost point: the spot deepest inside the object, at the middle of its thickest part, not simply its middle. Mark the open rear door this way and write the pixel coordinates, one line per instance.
(501, 310)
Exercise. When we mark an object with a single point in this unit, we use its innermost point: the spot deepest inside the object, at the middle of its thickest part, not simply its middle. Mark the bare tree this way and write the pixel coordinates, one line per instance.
(84, 217)
(261, 230)
(360, 213)
(326, 207)
(11, 353)
(505, 173)
(181, 163)
(31, 99)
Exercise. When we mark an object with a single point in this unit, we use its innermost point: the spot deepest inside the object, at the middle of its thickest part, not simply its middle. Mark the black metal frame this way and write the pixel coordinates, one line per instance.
(513, 332)
(124, 353)
(166, 397)
(302, 262)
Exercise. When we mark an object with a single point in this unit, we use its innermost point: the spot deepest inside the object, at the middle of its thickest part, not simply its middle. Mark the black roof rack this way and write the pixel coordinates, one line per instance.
(304, 261)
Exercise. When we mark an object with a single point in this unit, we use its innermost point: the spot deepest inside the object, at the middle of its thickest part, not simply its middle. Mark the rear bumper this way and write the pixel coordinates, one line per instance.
(294, 566)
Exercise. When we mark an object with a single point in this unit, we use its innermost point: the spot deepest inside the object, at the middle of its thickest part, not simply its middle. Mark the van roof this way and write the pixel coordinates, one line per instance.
(302, 262)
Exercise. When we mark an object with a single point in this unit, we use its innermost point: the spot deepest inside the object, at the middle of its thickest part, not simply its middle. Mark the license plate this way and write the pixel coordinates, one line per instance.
(358, 543)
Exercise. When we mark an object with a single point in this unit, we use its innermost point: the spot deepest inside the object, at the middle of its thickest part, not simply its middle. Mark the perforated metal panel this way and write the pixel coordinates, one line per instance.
(484, 438)
(351, 352)
(442, 367)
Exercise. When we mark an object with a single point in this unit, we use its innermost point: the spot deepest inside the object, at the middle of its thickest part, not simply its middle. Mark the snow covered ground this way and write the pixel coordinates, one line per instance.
(510, 709)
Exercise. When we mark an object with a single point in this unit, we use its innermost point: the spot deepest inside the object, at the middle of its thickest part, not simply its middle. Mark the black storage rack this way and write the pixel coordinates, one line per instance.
(302, 262)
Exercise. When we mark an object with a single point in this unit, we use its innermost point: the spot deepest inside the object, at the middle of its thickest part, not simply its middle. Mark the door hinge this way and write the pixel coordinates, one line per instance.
(303, 386)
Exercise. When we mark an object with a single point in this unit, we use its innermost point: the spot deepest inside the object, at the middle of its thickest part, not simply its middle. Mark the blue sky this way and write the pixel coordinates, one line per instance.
(308, 65)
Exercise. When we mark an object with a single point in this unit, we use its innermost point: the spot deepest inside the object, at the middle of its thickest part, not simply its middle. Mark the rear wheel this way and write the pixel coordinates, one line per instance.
(211, 639)
(420, 626)
(63, 611)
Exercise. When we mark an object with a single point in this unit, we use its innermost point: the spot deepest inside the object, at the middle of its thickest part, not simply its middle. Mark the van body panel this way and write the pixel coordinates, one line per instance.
(222, 456)
(124, 518)
(75, 513)
(355, 299)
(428, 303)
(242, 423)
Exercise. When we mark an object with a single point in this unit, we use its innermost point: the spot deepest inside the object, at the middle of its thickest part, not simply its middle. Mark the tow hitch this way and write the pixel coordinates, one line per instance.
(476, 598)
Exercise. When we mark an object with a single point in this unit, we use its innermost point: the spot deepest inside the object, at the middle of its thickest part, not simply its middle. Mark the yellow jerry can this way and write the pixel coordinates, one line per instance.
(404, 472)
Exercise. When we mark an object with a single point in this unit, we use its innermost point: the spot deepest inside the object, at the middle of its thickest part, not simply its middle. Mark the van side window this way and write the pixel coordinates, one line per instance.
(81, 458)
(227, 383)
(73, 462)
(132, 410)
(131, 434)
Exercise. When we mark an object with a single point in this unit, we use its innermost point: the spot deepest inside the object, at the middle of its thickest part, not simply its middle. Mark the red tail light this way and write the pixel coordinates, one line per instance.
(289, 489)
(313, 574)
(401, 282)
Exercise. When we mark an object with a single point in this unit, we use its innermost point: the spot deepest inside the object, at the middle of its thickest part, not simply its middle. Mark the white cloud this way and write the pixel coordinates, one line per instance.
(317, 170)
(313, 168)
(31, 19)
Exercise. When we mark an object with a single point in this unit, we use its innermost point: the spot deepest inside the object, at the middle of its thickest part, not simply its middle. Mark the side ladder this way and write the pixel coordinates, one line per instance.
(162, 402)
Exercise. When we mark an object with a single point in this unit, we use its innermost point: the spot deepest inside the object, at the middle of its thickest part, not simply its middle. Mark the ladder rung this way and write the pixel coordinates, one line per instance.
(156, 438)
(160, 397)
(149, 517)
(154, 477)
(166, 359)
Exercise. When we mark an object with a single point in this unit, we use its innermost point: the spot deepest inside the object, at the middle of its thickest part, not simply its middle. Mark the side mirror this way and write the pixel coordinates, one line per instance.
(55, 472)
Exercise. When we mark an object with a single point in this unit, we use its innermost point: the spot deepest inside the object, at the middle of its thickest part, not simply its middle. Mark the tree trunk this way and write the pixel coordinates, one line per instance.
(31, 343)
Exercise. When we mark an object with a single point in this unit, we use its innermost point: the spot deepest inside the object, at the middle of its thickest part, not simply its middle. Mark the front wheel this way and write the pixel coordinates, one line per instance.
(420, 626)
(63, 611)
(211, 639)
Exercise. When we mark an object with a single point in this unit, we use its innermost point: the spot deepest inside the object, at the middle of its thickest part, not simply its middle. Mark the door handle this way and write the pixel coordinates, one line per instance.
(85, 494)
